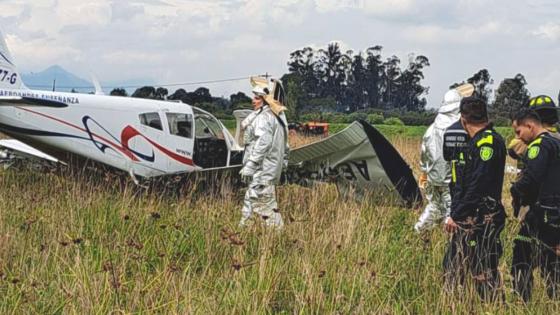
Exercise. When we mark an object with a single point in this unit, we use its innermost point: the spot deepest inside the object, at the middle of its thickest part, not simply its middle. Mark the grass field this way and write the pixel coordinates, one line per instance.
(390, 130)
(76, 245)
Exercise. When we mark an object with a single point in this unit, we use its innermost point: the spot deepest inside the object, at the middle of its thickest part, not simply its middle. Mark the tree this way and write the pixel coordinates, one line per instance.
(221, 103)
(198, 96)
(145, 92)
(410, 92)
(201, 95)
(374, 74)
(239, 99)
(178, 95)
(333, 70)
(390, 81)
(481, 81)
(511, 96)
(304, 63)
(118, 92)
(295, 94)
(161, 93)
(357, 83)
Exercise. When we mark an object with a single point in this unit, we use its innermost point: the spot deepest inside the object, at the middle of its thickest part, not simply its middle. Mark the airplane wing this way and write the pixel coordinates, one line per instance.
(29, 101)
(26, 150)
(357, 159)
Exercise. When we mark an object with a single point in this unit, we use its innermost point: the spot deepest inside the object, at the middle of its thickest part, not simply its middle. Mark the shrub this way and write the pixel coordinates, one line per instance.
(416, 118)
(502, 121)
(356, 116)
(393, 121)
(375, 119)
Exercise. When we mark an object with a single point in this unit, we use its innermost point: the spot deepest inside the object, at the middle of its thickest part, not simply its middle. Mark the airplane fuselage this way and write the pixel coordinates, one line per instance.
(145, 137)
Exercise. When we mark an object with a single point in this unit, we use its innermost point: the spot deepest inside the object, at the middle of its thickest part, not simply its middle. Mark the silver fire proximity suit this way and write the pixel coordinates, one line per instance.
(436, 170)
(266, 150)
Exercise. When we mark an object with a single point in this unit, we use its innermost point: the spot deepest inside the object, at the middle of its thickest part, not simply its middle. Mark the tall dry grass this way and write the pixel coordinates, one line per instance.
(70, 244)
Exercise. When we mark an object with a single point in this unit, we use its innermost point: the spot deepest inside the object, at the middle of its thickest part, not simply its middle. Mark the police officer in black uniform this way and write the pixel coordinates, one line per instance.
(455, 140)
(477, 214)
(537, 243)
(548, 112)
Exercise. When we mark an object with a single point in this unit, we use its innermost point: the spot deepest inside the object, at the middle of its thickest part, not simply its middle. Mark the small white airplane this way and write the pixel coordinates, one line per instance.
(143, 137)
(151, 138)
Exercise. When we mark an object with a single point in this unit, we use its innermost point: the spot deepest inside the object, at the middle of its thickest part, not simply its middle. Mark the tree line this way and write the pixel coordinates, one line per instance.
(330, 80)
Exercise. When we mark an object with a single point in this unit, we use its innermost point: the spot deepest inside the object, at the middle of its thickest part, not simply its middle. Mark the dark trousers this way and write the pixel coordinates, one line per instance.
(475, 250)
(535, 246)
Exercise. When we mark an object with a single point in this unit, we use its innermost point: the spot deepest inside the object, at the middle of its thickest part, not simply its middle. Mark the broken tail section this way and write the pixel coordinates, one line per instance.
(9, 75)
(360, 161)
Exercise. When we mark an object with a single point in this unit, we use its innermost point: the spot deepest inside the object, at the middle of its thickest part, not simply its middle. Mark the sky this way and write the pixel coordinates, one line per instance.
(173, 41)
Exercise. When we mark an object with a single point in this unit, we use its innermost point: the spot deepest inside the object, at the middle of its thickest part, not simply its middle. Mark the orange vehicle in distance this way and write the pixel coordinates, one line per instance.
(311, 128)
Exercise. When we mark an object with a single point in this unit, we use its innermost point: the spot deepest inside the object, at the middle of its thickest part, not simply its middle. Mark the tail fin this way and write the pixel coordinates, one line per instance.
(9, 76)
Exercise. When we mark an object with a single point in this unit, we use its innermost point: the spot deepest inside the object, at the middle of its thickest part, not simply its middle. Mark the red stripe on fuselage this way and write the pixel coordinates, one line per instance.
(129, 132)
(124, 151)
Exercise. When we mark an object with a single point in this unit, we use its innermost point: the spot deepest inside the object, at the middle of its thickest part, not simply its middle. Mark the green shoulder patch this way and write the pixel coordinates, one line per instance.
(533, 152)
(486, 153)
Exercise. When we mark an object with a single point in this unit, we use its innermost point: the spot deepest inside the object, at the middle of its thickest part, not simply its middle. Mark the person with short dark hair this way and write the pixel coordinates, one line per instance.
(477, 214)
(536, 202)
(548, 112)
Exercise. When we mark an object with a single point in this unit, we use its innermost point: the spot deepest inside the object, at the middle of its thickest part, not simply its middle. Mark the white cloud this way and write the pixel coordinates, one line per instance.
(335, 5)
(196, 40)
(9, 9)
(435, 34)
(40, 53)
(550, 31)
(132, 57)
(390, 7)
(52, 16)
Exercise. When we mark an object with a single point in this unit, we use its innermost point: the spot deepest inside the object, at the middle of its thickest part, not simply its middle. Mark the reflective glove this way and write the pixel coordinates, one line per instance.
(285, 164)
(423, 181)
(248, 171)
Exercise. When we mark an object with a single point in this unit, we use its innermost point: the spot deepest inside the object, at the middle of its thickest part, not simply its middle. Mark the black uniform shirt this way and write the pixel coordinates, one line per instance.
(455, 140)
(483, 174)
(540, 180)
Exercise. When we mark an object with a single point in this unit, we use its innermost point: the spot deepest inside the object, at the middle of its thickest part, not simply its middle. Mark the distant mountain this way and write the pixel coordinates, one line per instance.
(65, 81)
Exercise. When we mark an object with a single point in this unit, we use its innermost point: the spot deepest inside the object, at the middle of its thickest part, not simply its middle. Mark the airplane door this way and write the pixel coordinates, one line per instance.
(210, 147)
(180, 140)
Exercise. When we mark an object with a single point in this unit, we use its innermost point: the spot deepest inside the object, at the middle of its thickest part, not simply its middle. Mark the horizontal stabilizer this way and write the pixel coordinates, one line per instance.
(29, 101)
(21, 147)
(358, 159)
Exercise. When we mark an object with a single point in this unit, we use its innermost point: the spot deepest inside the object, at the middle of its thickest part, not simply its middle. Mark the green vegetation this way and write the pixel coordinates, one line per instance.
(393, 121)
(389, 130)
(75, 244)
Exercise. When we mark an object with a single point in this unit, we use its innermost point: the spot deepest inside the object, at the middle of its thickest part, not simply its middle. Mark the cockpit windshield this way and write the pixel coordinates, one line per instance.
(207, 126)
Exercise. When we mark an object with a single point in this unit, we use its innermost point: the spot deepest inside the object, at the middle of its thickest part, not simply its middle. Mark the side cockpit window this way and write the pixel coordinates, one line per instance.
(180, 124)
(151, 120)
